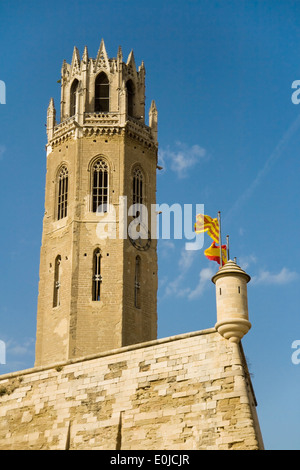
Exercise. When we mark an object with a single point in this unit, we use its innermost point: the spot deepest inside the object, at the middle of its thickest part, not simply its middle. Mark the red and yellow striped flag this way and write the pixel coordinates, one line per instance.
(213, 253)
(205, 223)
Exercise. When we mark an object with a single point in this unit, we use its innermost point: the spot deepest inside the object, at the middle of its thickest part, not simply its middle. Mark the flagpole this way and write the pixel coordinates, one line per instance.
(227, 244)
(220, 239)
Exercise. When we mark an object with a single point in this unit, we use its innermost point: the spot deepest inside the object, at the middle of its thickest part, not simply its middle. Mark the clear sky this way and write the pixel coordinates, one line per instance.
(221, 73)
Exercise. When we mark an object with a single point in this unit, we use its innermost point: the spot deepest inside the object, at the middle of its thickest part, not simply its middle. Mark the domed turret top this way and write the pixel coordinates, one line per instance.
(230, 268)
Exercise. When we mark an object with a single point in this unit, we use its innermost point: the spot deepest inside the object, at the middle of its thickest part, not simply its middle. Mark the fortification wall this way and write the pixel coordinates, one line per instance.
(186, 392)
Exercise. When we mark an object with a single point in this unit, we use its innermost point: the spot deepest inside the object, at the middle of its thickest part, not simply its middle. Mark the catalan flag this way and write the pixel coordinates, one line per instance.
(213, 253)
(205, 223)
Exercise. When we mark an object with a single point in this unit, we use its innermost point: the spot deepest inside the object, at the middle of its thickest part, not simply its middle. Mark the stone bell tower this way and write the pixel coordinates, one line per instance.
(98, 286)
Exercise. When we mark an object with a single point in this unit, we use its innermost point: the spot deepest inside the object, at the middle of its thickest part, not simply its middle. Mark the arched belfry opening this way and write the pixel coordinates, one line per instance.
(73, 97)
(130, 97)
(102, 93)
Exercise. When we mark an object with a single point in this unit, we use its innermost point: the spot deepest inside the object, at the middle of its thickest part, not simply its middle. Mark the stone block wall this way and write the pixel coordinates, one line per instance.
(80, 326)
(186, 392)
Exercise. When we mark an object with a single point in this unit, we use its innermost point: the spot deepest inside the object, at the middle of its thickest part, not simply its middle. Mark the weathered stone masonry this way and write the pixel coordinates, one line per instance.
(186, 392)
(101, 378)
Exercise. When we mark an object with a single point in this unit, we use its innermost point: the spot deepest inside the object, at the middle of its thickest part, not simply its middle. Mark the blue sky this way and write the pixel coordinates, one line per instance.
(221, 74)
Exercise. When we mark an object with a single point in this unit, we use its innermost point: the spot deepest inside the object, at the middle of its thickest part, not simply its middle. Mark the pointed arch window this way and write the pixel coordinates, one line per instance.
(130, 97)
(99, 186)
(73, 97)
(137, 283)
(102, 93)
(56, 293)
(137, 186)
(62, 203)
(97, 278)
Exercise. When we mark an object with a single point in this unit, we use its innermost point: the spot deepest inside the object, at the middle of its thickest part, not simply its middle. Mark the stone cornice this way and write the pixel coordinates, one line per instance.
(101, 124)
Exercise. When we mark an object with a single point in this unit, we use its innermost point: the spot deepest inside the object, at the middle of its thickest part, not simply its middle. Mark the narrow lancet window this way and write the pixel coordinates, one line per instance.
(73, 97)
(137, 187)
(137, 283)
(99, 186)
(130, 98)
(56, 294)
(97, 278)
(138, 190)
(62, 206)
(102, 93)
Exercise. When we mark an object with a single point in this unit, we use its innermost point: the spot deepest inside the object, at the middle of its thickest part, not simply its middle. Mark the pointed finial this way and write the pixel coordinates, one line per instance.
(102, 54)
(64, 67)
(153, 119)
(51, 104)
(120, 54)
(142, 69)
(102, 49)
(130, 60)
(153, 108)
(85, 55)
(51, 119)
(75, 54)
(75, 58)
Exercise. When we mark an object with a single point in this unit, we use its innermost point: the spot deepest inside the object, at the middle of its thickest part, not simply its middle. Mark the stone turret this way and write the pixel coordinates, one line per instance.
(232, 304)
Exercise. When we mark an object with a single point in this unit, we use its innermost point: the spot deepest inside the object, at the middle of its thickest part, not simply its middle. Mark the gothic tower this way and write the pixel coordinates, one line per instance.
(98, 286)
